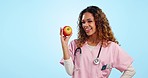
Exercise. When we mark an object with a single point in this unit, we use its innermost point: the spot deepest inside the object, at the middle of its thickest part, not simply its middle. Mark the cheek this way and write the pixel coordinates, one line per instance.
(94, 27)
(95, 30)
(82, 27)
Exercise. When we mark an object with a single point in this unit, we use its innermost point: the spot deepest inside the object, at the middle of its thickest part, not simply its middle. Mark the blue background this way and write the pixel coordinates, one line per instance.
(29, 34)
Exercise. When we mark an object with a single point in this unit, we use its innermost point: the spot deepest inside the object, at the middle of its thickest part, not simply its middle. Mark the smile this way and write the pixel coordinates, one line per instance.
(88, 29)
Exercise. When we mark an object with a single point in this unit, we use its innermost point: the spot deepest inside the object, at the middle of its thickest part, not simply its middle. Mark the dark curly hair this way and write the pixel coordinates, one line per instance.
(104, 31)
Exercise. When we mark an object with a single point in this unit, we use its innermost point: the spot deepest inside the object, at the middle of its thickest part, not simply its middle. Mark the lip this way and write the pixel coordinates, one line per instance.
(88, 29)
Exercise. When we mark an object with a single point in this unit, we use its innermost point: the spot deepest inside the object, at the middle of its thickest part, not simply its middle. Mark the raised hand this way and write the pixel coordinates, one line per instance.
(64, 43)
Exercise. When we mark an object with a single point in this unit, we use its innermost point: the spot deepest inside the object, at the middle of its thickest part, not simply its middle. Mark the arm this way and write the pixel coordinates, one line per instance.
(69, 66)
(64, 42)
(123, 62)
(129, 73)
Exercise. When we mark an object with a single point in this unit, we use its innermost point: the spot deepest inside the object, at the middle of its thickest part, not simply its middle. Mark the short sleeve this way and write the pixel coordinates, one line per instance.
(121, 59)
(71, 47)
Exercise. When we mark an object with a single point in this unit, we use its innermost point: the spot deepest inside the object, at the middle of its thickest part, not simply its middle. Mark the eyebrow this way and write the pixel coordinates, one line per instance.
(87, 19)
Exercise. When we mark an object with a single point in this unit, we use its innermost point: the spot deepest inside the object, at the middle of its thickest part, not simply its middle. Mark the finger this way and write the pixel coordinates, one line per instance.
(68, 37)
(64, 37)
(61, 31)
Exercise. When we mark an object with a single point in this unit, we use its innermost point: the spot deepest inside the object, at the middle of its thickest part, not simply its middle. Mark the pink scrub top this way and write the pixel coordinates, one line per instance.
(113, 56)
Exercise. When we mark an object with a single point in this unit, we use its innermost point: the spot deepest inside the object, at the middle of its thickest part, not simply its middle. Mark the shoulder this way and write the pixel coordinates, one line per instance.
(74, 41)
(112, 44)
(116, 48)
(73, 44)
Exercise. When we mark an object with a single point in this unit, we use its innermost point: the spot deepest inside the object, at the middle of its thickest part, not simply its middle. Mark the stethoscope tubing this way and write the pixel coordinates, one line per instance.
(79, 50)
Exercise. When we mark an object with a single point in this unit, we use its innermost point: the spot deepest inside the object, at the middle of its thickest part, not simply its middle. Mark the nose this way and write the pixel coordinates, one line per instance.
(85, 24)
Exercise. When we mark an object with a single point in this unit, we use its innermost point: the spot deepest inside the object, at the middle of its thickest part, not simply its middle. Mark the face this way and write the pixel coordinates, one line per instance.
(88, 23)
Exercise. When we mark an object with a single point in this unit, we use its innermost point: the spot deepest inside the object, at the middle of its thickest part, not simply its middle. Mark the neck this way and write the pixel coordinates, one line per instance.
(92, 40)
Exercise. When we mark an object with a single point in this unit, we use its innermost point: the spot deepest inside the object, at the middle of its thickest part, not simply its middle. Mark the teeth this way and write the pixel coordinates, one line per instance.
(88, 28)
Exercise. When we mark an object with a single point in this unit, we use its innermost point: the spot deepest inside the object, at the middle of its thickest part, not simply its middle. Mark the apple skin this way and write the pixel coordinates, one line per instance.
(67, 30)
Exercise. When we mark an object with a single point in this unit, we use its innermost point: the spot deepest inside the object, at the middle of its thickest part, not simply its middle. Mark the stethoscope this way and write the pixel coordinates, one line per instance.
(96, 61)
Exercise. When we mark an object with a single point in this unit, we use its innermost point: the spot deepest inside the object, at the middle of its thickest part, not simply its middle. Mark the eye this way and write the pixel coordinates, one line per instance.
(83, 22)
(89, 21)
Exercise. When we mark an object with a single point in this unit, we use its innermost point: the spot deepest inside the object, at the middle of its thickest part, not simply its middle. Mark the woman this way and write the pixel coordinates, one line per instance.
(96, 51)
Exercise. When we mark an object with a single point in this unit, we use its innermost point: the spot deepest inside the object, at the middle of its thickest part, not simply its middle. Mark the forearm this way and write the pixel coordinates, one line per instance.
(69, 66)
(65, 52)
(129, 73)
(64, 43)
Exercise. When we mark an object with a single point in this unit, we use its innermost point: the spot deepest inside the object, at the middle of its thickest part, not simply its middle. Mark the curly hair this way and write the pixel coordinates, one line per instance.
(104, 32)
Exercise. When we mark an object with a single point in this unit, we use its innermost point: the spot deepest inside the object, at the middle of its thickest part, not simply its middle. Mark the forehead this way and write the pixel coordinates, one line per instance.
(87, 16)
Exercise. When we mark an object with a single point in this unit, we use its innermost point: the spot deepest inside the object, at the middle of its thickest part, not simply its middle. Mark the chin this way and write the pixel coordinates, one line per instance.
(89, 34)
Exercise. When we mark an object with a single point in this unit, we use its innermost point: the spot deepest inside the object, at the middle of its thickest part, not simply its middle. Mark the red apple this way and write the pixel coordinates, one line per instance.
(67, 30)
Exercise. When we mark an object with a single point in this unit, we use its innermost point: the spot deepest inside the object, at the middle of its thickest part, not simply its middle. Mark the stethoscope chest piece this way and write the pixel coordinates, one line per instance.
(96, 61)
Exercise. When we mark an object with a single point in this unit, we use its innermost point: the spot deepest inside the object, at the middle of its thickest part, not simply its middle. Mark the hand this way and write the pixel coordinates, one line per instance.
(64, 42)
(64, 39)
